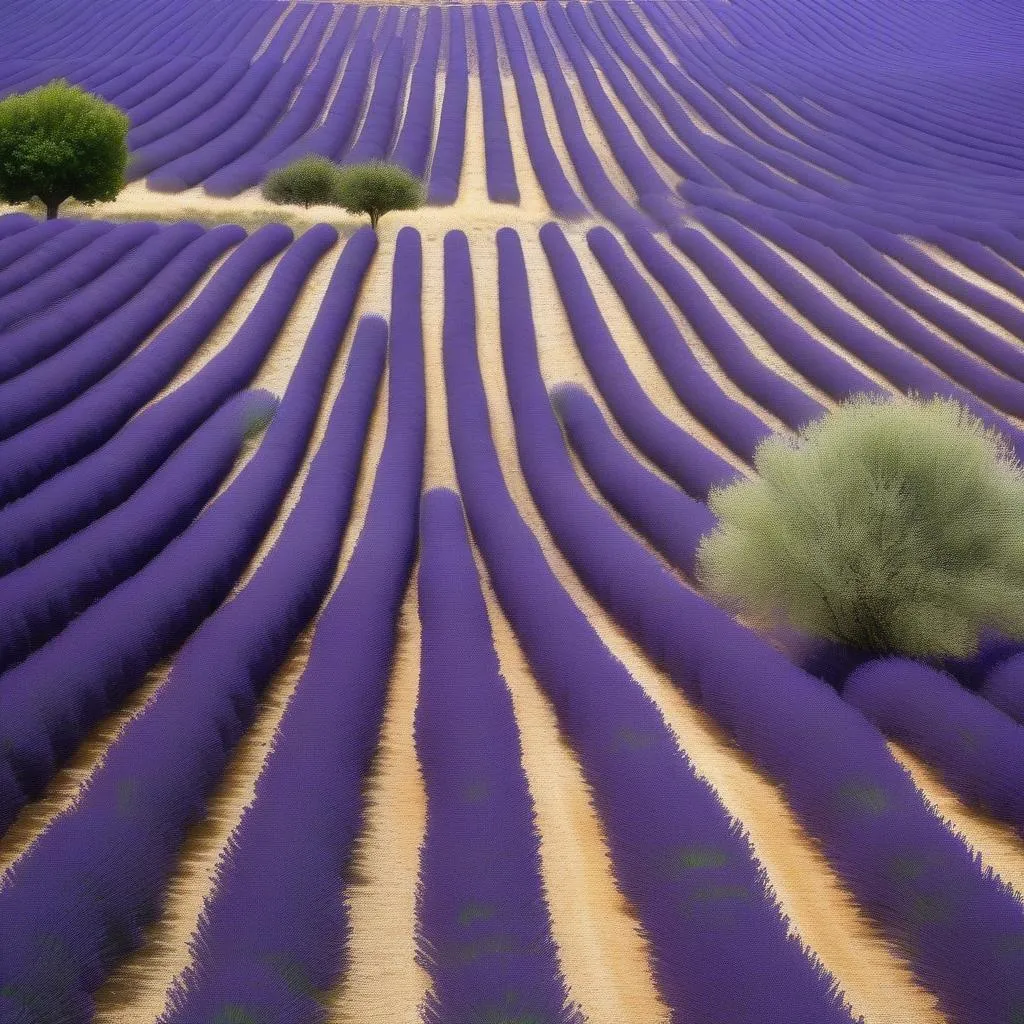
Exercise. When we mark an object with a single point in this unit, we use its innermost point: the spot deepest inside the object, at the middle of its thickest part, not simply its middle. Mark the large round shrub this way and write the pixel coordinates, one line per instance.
(59, 142)
(308, 181)
(893, 527)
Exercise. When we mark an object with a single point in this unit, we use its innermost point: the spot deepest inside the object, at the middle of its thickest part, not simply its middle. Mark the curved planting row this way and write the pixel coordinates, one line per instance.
(272, 937)
(103, 478)
(103, 653)
(20, 234)
(694, 467)
(35, 338)
(485, 932)
(976, 749)
(450, 145)
(378, 127)
(559, 193)
(249, 167)
(39, 599)
(50, 383)
(607, 199)
(412, 147)
(168, 759)
(94, 415)
(731, 421)
(257, 118)
(39, 296)
(721, 949)
(59, 245)
(331, 137)
(919, 881)
(502, 186)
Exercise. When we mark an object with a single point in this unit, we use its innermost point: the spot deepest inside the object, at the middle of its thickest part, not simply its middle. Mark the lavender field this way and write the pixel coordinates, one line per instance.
(354, 665)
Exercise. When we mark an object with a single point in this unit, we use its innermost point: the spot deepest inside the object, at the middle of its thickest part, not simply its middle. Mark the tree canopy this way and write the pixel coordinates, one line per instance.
(377, 188)
(308, 181)
(59, 142)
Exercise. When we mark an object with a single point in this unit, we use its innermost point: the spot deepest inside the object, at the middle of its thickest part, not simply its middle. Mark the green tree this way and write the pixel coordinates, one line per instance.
(894, 527)
(304, 182)
(59, 142)
(377, 188)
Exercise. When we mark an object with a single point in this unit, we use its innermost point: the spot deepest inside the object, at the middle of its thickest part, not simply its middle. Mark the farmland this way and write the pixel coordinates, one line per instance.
(354, 665)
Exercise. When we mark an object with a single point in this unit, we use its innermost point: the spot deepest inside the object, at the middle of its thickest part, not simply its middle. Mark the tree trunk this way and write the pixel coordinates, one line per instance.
(374, 217)
(52, 206)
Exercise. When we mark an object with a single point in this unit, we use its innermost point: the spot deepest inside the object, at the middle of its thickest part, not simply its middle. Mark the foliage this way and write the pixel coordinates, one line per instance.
(59, 142)
(304, 182)
(376, 188)
(895, 527)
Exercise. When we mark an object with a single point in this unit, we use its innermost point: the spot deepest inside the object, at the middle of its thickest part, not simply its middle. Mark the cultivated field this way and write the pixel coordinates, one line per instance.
(286, 738)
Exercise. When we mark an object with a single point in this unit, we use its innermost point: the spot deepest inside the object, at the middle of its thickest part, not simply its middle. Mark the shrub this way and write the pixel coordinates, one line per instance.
(377, 188)
(894, 527)
(305, 182)
(59, 142)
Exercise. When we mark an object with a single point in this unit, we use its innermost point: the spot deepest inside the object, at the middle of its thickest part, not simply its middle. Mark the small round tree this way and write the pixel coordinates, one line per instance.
(377, 188)
(893, 527)
(59, 142)
(308, 181)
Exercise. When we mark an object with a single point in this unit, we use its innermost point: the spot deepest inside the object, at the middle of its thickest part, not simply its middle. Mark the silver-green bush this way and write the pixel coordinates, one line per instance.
(895, 527)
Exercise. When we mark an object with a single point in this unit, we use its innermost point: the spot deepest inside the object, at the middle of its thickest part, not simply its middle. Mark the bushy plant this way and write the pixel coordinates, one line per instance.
(59, 142)
(304, 182)
(894, 527)
(377, 188)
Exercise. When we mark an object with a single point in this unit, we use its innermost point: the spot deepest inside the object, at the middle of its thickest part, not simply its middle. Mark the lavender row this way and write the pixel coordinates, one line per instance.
(502, 186)
(977, 750)
(331, 138)
(560, 195)
(244, 129)
(786, 230)
(484, 924)
(959, 927)
(33, 339)
(45, 387)
(694, 467)
(38, 259)
(774, 392)
(169, 758)
(653, 194)
(647, 121)
(51, 698)
(378, 127)
(1003, 393)
(38, 297)
(20, 234)
(272, 939)
(155, 124)
(249, 167)
(731, 421)
(41, 598)
(720, 946)
(212, 119)
(446, 165)
(101, 480)
(84, 423)
(818, 363)
(412, 147)
(671, 520)
(599, 188)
